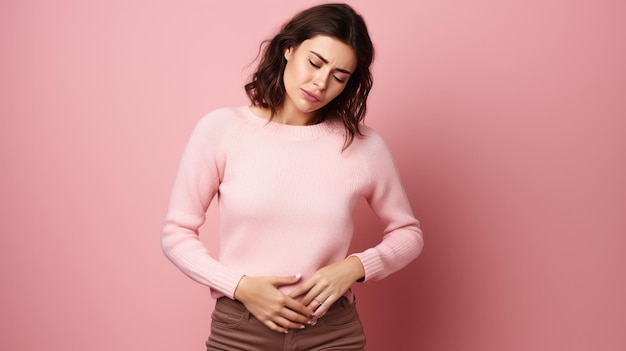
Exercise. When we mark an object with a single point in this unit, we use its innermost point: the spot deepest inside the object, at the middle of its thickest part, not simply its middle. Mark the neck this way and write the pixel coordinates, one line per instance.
(288, 114)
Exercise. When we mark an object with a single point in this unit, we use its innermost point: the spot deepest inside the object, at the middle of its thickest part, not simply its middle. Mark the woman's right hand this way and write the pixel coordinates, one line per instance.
(272, 307)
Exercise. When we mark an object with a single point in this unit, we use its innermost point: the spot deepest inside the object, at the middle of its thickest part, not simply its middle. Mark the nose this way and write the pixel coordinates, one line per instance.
(320, 80)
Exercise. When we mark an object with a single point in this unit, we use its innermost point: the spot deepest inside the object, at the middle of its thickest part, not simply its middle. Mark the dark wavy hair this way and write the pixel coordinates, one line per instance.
(266, 88)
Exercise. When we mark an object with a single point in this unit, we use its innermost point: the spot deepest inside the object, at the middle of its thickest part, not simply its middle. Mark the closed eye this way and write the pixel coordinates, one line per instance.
(313, 64)
(319, 66)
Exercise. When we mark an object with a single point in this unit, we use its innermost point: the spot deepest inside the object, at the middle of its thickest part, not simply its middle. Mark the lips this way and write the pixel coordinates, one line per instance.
(310, 97)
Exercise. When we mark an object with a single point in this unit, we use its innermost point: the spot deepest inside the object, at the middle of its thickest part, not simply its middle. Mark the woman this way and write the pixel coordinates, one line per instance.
(288, 170)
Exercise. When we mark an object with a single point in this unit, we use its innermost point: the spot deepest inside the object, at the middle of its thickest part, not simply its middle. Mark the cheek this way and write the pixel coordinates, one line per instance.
(336, 90)
(305, 72)
(295, 73)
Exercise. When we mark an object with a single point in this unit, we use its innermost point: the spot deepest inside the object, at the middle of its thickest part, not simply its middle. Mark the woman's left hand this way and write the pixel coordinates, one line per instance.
(329, 284)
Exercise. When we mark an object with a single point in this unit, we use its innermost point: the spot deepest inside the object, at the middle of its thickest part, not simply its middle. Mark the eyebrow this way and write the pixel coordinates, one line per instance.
(326, 61)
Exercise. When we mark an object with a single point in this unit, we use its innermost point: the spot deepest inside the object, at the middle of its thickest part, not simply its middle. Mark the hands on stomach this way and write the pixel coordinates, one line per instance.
(303, 306)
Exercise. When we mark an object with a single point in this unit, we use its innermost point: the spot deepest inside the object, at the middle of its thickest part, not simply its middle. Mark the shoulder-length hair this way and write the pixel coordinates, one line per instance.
(266, 88)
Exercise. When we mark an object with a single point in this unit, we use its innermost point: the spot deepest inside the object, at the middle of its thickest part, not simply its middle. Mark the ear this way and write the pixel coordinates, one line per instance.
(288, 53)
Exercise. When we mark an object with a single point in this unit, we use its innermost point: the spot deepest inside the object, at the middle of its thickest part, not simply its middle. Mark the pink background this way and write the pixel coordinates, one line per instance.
(507, 120)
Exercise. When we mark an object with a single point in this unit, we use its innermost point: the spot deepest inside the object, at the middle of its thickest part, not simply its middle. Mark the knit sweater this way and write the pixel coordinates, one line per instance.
(285, 195)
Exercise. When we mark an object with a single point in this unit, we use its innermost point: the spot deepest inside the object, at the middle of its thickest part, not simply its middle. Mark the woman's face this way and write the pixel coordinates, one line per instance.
(316, 72)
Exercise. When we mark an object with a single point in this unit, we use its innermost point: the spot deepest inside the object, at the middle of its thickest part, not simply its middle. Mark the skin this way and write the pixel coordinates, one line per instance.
(320, 66)
(316, 72)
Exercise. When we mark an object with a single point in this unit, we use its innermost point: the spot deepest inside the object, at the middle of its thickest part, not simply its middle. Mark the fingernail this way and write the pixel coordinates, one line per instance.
(302, 326)
(298, 276)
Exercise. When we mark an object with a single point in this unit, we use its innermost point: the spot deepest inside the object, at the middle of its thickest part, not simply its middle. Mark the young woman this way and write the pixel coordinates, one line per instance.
(287, 171)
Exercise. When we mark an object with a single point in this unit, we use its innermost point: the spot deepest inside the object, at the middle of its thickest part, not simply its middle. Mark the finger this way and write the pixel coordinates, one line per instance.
(285, 280)
(323, 308)
(296, 318)
(287, 324)
(302, 289)
(315, 294)
(314, 304)
(275, 327)
(299, 308)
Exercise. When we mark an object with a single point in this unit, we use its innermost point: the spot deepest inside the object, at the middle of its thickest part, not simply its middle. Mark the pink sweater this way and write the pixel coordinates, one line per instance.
(285, 195)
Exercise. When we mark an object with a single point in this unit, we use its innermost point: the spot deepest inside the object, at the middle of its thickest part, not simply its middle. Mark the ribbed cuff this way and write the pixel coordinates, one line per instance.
(371, 263)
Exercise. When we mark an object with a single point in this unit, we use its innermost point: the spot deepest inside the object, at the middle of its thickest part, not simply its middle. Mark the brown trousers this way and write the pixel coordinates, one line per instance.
(234, 328)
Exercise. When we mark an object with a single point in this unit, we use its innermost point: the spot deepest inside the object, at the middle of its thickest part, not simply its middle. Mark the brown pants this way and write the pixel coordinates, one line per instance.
(234, 328)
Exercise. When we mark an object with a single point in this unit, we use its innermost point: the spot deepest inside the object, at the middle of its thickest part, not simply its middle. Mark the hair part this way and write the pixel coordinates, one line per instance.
(266, 88)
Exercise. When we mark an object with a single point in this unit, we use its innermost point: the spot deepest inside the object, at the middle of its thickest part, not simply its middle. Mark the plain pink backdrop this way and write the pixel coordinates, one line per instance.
(507, 120)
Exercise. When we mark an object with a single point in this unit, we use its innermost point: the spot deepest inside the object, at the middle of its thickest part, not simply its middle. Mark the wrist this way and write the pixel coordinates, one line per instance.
(240, 289)
(357, 268)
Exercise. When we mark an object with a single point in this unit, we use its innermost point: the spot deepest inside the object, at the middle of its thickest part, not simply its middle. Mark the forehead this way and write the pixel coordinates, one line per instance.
(336, 52)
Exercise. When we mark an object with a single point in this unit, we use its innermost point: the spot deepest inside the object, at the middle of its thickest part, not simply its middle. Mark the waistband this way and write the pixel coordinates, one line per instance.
(234, 304)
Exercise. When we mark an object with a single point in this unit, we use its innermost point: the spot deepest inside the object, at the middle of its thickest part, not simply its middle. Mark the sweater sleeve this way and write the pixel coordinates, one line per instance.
(195, 185)
(402, 237)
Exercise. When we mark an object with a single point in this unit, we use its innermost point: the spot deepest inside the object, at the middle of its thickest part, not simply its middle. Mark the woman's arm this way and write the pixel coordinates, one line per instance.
(401, 243)
(195, 185)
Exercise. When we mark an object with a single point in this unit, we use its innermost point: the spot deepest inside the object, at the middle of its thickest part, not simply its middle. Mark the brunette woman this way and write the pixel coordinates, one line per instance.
(287, 171)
